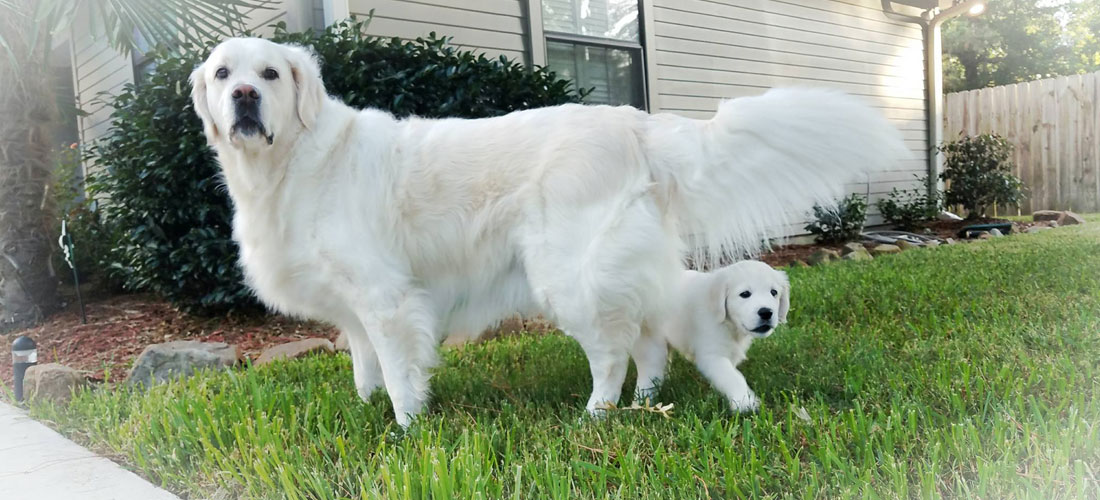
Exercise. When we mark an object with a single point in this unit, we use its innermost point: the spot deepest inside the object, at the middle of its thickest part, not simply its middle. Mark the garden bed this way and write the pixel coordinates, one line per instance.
(917, 375)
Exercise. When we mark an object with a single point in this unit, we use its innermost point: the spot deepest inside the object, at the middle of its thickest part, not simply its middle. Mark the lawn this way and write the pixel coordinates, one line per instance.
(960, 371)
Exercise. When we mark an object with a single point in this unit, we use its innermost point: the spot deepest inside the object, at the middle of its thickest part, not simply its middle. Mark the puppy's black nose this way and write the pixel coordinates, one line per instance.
(245, 93)
(765, 313)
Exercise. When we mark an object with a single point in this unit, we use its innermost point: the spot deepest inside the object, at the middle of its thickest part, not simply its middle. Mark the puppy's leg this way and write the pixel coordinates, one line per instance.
(364, 361)
(404, 340)
(650, 355)
(725, 377)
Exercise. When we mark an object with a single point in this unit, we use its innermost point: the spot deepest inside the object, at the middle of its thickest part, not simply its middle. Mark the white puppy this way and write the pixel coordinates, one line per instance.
(402, 232)
(713, 319)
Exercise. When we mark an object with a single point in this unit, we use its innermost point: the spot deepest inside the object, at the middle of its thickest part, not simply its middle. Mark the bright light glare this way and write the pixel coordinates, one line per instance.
(976, 9)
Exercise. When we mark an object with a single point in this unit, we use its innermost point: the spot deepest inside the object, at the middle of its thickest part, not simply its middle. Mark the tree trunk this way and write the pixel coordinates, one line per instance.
(28, 285)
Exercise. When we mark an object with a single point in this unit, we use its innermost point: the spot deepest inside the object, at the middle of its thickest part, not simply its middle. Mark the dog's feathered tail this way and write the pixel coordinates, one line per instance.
(738, 180)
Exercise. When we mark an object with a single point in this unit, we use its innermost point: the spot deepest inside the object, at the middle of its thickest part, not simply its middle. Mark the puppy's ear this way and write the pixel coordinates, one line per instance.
(309, 88)
(202, 108)
(784, 296)
(717, 296)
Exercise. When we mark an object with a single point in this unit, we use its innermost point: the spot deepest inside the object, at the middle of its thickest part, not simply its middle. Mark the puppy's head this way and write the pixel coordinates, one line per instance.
(751, 297)
(251, 92)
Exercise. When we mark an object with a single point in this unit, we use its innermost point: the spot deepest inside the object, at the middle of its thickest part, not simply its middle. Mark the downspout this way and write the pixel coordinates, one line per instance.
(930, 22)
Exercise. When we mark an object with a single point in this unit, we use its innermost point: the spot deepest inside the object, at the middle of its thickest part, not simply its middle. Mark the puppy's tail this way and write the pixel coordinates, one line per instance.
(740, 179)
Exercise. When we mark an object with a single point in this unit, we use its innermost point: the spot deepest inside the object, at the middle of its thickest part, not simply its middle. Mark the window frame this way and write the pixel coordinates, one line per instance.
(540, 37)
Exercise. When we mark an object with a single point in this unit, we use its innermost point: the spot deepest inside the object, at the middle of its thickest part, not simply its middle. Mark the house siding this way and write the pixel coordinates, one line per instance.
(708, 50)
(492, 27)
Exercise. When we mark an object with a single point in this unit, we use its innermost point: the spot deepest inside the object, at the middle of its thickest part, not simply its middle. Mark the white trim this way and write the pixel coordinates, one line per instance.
(535, 32)
(649, 54)
(336, 11)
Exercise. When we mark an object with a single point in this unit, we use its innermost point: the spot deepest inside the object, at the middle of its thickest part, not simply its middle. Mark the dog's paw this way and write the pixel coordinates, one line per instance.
(746, 404)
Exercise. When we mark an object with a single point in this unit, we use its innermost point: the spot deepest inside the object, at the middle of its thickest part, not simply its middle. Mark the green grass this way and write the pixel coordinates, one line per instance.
(965, 371)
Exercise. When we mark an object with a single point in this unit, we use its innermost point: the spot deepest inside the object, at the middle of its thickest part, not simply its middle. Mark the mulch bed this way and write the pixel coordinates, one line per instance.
(120, 327)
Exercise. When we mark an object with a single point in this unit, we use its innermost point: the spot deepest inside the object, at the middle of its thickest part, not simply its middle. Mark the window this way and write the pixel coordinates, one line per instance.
(143, 64)
(598, 45)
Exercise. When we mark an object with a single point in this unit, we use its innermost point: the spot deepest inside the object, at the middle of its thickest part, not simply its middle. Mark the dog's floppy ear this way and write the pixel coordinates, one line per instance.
(784, 296)
(309, 88)
(718, 295)
(202, 108)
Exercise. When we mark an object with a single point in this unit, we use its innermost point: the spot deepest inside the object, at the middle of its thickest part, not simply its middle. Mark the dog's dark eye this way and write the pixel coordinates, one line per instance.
(746, 294)
(270, 74)
(221, 73)
(774, 293)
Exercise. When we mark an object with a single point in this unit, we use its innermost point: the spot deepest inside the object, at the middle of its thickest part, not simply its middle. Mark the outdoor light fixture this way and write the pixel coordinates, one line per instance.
(24, 354)
(976, 9)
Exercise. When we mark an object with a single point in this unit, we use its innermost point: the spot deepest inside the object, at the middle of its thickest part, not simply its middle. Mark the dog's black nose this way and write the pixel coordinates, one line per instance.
(245, 93)
(765, 313)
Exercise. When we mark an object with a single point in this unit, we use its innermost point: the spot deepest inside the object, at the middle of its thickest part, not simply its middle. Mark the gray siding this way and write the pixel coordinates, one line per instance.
(494, 27)
(707, 50)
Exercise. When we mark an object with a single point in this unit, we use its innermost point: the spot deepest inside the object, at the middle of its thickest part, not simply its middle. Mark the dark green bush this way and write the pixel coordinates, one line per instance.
(978, 173)
(841, 223)
(162, 182)
(907, 209)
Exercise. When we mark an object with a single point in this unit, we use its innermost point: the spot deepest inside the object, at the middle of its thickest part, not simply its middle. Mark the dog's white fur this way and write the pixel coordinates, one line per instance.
(712, 320)
(401, 232)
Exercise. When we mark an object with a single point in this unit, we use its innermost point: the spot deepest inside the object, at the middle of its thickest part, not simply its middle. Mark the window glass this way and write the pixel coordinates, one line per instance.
(615, 75)
(614, 19)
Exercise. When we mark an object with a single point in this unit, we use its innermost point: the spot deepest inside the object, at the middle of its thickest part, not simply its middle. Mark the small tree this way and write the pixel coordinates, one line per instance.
(841, 223)
(978, 174)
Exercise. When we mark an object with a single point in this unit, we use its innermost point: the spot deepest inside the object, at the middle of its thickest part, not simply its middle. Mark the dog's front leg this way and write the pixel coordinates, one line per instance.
(404, 340)
(725, 377)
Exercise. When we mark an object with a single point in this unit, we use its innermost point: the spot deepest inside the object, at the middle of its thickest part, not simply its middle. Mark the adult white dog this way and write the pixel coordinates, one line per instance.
(401, 232)
(712, 320)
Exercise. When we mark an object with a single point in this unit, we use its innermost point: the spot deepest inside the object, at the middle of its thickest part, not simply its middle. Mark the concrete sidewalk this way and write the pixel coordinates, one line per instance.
(37, 463)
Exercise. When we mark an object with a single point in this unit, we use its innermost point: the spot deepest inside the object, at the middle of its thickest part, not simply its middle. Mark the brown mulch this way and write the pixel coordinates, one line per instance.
(120, 327)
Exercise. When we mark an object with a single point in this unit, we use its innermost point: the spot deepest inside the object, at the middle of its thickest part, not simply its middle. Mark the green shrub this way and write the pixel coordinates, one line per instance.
(978, 174)
(163, 184)
(841, 223)
(907, 209)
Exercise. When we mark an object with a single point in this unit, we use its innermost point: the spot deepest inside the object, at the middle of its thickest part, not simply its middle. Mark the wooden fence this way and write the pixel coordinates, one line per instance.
(1053, 123)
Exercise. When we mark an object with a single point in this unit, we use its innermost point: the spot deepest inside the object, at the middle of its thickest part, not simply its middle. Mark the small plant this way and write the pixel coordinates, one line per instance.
(841, 223)
(91, 236)
(978, 174)
(907, 209)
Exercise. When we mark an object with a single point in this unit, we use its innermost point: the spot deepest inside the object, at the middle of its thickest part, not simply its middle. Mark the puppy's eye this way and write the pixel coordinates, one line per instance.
(270, 74)
(221, 73)
(774, 293)
(746, 294)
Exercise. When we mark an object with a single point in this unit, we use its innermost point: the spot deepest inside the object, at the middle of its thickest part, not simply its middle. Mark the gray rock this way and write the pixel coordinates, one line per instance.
(1060, 217)
(986, 235)
(341, 343)
(884, 249)
(294, 350)
(949, 241)
(948, 217)
(861, 254)
(53, 382)
(996, 233)
(852, 247)
(180, 358)
(822, 256)
(932, 243)
(907, 245)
